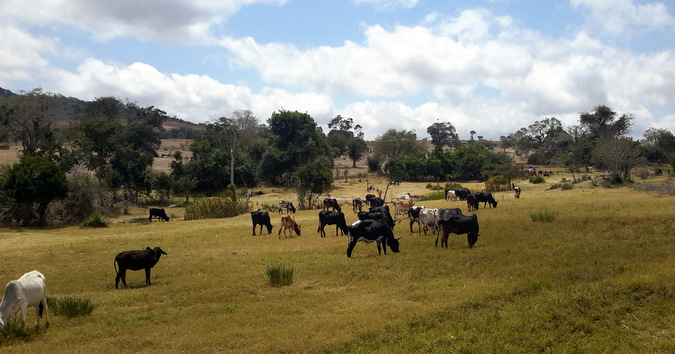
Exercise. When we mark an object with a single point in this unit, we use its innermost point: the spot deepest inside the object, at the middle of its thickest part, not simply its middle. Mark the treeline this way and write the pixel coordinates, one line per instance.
(105, 154)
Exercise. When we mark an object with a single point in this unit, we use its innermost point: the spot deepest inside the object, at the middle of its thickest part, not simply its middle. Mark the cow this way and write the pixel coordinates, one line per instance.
(286, 206)
(331, 203)
(288, 223)
(486, 198)
(429, 217)
(357, 204)
(547, 173)
(414, 215)
(369, 198)
(158, 213)
(337, 218)
(444, 213)
(28, 291)
(261, 218)
(462, 193)
(378, 213)
(472, 202)
(517, 191)
(372, 231)
(450, 195)
(459, 224)
(374, 202)
(402, 205)
(136, 260)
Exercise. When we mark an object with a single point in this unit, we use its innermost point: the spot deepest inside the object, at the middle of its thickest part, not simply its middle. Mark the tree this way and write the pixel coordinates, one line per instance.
(356, 149)
(313, 179)
(443, 134)
(26, 117)
(346, 138)
(397, 143)
(603, 122)
(35, 180)
(618, 155)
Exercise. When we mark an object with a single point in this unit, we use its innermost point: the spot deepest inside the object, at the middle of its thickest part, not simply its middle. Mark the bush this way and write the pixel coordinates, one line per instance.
(280, 275)
(214, 208)
(537, 179)
(374, 164)
(86, 195)
(436, 195)
(434, 187)
(70, 307)
(497, 183)
(453, 186)
(542, 216)
(95, 220)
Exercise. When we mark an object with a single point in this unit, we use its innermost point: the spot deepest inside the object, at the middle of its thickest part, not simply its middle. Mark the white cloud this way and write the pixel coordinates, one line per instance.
(623, 17)
(388, 4)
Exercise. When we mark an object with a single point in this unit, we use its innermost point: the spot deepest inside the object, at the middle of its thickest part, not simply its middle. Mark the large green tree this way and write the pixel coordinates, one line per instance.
(35, 180)
(346, 138)
(397, 143)
(442, 134)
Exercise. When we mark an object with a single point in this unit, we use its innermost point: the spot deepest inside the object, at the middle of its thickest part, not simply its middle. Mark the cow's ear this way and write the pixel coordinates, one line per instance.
(148, 248)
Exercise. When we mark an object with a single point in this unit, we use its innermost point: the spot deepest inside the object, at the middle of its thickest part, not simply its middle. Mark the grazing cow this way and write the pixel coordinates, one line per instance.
(459, 224)
(376, 202)
(429, 217)
(331, 203)
(369, 198)
(372, 231)
(486, 198)
(357, 204)
(28, 291)
(472, 202)
(450, 195)
(261, 218)
(136, 260)
(462, 193)
(286, 206)
(414, 215)
(402, 205)
(517, 191)
(547, 173)
(288, 223)
(327, 217)
(378, 213)
(158, 213)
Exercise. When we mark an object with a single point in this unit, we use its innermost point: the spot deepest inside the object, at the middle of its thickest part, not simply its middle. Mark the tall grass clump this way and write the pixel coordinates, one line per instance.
(435, 195)
(70, 307)
(280, 275)
(542, 216)
(96, 219)
(13, 331)
(214, 208)
(537, 179)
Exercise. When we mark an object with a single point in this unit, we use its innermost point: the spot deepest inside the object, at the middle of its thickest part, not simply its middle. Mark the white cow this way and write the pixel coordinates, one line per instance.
(429, 217)
(29, 290)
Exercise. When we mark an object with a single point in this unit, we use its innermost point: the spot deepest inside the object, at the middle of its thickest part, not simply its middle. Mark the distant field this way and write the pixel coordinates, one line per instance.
(599, 278)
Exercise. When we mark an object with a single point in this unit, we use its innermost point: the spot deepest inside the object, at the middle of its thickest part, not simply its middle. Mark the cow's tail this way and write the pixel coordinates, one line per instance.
(115, 266)
(41, 308)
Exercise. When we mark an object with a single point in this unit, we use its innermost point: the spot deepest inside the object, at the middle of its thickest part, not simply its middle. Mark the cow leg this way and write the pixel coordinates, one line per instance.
(436, 243)
(46, 310)
(117, 278)
(123, 276)
(253, 229)
(147, 276)
(379, 250)
(350, 247)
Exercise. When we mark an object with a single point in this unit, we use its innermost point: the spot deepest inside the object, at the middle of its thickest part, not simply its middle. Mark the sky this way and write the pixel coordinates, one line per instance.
(491, 66)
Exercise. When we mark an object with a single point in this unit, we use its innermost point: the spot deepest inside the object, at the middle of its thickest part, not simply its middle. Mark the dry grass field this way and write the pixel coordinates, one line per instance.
(598, 278)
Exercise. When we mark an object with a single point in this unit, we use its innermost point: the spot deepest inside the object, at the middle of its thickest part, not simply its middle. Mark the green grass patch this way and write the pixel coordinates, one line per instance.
(70, 307)
(214, 208)
(542, 216)
(280, 275)
(97, 219)
(435, 195)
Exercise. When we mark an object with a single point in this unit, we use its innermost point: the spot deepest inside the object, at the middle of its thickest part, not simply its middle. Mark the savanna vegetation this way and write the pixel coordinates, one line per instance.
(582, 262)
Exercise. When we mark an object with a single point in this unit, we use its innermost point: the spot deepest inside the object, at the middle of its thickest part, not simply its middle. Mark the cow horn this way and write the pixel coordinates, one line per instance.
(399, 238)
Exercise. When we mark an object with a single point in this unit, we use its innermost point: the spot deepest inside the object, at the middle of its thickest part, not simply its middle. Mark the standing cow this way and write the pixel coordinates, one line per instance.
(28, 291)
(372, 231)
(459, 224)
(288, 223)
(136, 260)
(158, 213)
(261, 218)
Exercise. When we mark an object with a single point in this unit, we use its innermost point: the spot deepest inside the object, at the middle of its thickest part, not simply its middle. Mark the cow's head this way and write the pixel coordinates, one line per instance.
(269, 227)
(472, 238)
(394, 244)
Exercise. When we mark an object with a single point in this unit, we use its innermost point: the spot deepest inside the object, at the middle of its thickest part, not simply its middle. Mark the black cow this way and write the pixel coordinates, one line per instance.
(136, 260)
(372, 231)
(414, 215)
(327, 217)
(486, 198)
(376, 202)
(369, 198)
(459, 224)
(378, 213)
(462, 193)
(159, 213)
(331, 203)
(261, 218)
(446, 213)
(517, 191)
(357, 204)
(472, 202)
(287, 206)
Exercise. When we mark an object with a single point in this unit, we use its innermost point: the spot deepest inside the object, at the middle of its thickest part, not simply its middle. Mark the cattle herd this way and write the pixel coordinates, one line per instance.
(375, 225)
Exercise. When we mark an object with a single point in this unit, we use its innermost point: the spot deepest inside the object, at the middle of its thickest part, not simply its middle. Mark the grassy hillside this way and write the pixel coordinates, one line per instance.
(599, 278)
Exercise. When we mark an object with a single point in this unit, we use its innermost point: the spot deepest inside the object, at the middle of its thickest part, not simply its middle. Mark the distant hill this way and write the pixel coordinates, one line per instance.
(67, 106)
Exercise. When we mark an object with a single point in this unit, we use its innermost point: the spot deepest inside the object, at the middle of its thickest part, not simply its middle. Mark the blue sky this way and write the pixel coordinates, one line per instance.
(492, 66)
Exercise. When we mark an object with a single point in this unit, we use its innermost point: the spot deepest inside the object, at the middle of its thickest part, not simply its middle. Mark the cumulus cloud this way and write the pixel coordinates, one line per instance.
(388, 4)
(623, 17)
